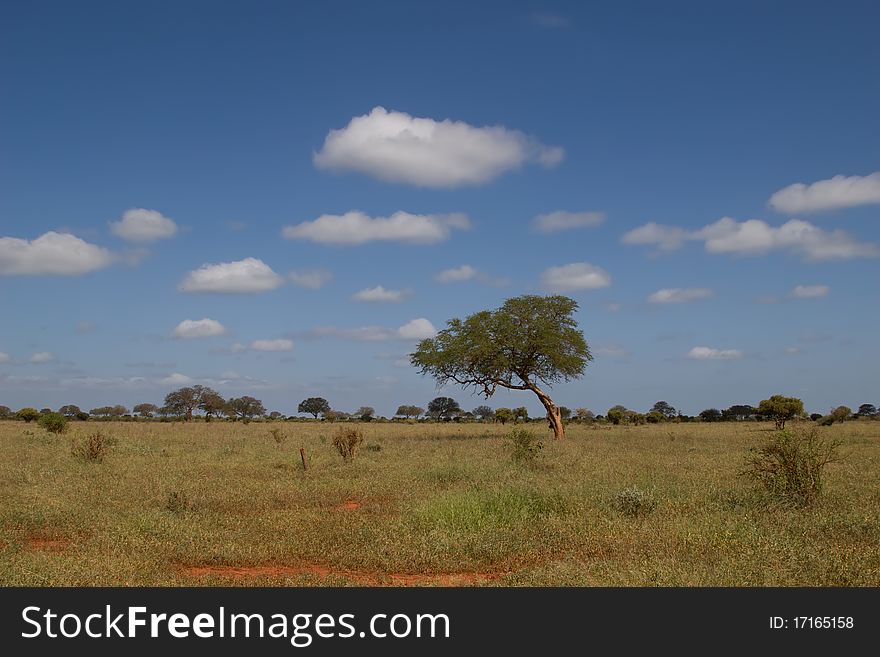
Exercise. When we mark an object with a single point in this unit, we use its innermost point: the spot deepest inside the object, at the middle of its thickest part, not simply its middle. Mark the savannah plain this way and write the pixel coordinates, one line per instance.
(424, 504)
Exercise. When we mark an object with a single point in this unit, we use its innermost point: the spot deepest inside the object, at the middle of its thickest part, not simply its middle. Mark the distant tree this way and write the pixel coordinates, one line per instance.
(654, 417)
(520, 414)
(529, 342)
(565, 413)
(484, 413)
(815, 416)
(841, 413)
(710, 415)
(69, 411)
(781, 409)
(28, 414)
(314, 406)
(409, 411)
(365, 413)
(664, 409)
(867, 410)
(617, 414)
(246, 407)
(584, 415)
(276, 415)
(5, 412)
(503, 415)
(443, 408)
(739, 412)
(212, 404)
(145, 410)
(101, 411)
(633, 417)
(44, 411)
(184, 401)
(118, 411)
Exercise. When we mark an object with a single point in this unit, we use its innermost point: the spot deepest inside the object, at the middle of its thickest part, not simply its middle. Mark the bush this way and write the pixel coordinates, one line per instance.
(53, 422)
(790, 465)
(28, 414)
(92, 448)
(178, 502)
(525, 445)
(347, 441)
(634, 502)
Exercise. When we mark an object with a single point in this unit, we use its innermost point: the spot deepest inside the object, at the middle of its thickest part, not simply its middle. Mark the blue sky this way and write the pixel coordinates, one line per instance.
(712, 168)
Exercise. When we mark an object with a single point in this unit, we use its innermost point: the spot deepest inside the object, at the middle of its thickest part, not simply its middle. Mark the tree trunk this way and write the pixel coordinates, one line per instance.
(554, 417)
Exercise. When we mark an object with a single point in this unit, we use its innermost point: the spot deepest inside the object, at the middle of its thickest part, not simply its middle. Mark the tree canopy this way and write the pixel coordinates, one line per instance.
(314, 406)
(530, 341)
(780, 409)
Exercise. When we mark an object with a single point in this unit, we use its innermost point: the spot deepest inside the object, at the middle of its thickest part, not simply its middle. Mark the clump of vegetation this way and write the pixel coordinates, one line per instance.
(53, 422)
(634, 502)
(525, 445)
(92, 448)
(348, 441)
(178, 502)
(790, 466)
(28, 414)
(277, 435)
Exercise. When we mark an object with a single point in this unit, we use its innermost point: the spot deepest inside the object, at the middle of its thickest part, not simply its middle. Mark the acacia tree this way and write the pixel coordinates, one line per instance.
(408, 411)
(665, 409)
(145, 410)
(184, 401)
(246, 407)
(484, 413)
(503, 415)
(443, 408)
(780, 409)
(212, 404)
(69, 410)
(313, 406)
(529, 342)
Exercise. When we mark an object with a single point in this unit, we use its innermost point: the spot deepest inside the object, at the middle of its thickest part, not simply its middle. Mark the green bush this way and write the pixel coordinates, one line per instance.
(525, 445)
(53, 422)
(634, 502)
(28, 414)
(790, 466)
(347, 441)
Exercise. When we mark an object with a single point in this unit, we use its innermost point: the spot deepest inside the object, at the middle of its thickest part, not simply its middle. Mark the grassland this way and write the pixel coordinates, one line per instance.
(224, 503)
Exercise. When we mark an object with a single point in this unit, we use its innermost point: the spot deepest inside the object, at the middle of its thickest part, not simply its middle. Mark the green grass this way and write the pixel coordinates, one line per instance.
(434, 499)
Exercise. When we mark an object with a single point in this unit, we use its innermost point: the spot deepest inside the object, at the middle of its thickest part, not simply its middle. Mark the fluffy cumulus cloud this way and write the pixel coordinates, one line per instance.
(176, 379)
(41, 357)
(710, 353)
(756, 237)
(810, 291)
(313, 279)
(396, 147)
(280, 344)
(379, 294)
(416, 329)
(58, 254)
(355, 228)
(198, 328)
(456, 274)
(680, 295)
(4, 357)
(575, 276)
(239, 277)
(140, 225)
(553, 222)
(832, 194)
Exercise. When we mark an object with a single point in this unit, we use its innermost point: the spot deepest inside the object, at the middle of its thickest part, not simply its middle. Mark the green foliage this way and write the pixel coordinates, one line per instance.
(246, 407)
(616, 414)
(584, 415)
(479, 511)
(5, 412)
(790, 466)
(365, 413)
(409, 410)
(28, 414)
(314, 406)
(484, 413)
(503, 415)
(347, 442)
(781, 409)
(53, 422)
(69, 411)
(521, 414)
(664, 409)
(525, 445)
(443, 408)
(711, 415)
(634, 502)
(92, 448)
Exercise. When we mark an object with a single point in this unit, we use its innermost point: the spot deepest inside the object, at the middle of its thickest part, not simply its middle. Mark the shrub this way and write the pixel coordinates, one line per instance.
(634, 502)
(278, 435)
(28, 414)
(178, 502)
(790, 465)
(347, 441)
(525, 445)
(53, 422)
(92, 448)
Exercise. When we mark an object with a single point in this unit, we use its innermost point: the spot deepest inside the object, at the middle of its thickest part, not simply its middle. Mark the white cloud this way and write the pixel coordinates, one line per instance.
(41, 357)
(396, 147)
(379, 294)
(831, 194)
(810, 291)
(176, 379)
(456, 274)
(680, 295)
(59, 254)
(4, 357)
(666, 238)
(754, 237)
(560, 220)
(575, 276)
(242, 276)
(140, 225)
(793, 351)
(416, 329)
(198, 328)
(355, 228)
(611, 351)
(709, 353)
(313, 280)
(272, 345)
